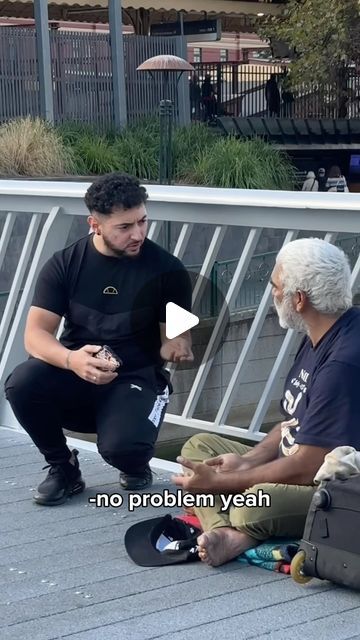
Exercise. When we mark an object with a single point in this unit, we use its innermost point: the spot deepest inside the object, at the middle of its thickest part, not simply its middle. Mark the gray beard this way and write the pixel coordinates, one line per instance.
(288, 318)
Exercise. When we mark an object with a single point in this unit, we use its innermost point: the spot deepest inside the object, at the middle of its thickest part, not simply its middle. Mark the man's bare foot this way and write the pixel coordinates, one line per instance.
(222, 545)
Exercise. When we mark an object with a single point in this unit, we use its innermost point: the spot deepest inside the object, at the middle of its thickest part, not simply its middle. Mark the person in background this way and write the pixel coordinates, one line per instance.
(310, 182)
(195, 97)
(208, 99)
(336, 181)
(272, 96)
(287, 103)
(322, 179)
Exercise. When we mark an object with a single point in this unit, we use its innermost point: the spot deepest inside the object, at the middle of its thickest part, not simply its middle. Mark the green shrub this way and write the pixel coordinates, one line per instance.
(32, 147)
(134, 150)
(72, 131)
(200, 156)
(246, 164)
(188, 145)
(137, 149)
(92, 150)
(149, 127)
(136, 156)
(94, 155)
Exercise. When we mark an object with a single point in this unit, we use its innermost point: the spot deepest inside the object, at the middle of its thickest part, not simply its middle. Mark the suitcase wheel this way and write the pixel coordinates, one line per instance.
(296, 568)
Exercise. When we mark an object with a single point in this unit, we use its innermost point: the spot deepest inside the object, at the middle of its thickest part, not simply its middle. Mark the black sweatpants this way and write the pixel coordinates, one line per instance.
(126, 414)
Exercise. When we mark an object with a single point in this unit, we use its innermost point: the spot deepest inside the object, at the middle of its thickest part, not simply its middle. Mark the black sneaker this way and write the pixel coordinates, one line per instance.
(62, 481)
(136, 480)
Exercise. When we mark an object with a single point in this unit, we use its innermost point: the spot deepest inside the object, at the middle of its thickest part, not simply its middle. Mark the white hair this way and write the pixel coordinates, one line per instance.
(320, 270)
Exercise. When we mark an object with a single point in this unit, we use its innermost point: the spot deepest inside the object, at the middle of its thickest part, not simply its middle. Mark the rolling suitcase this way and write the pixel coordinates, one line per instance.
(330, 547)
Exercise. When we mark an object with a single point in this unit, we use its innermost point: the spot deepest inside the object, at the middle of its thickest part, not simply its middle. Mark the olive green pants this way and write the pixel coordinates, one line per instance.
(289, 504)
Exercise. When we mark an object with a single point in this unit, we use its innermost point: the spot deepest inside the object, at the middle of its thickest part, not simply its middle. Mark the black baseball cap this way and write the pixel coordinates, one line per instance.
(161, 541)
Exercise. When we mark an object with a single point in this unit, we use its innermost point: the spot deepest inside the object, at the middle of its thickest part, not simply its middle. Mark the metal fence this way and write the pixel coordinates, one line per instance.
(82, 82)
(82, 76)
(143, 92)
(19, 88)
(239, 90)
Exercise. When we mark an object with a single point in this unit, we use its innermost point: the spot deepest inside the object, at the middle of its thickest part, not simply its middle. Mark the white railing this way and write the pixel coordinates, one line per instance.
(216, 214)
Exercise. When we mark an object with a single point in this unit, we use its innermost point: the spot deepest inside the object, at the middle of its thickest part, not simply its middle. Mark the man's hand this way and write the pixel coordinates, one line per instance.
(177, 350)
(229, 462)
(202, 479)
(83, 363)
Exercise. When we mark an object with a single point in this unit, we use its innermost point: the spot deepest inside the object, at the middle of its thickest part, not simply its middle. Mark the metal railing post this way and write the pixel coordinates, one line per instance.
(53, 236)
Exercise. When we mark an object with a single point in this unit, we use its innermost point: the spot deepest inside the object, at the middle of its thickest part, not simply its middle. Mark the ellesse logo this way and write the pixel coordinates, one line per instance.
(111, 291)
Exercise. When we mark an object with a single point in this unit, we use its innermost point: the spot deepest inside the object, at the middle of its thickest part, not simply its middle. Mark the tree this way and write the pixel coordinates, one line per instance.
(324, 34)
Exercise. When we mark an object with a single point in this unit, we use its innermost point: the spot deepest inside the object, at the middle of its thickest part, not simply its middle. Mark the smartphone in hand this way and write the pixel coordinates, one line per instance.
(106, 353)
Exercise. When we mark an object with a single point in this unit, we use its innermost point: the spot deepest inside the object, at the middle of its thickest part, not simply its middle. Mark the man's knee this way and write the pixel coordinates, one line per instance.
(201, 447)
(126, 454)
(25, 377)
(272, 510)
(191, 446)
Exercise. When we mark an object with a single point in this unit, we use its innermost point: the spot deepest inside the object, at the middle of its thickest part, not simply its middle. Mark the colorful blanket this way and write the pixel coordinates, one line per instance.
(274, 554)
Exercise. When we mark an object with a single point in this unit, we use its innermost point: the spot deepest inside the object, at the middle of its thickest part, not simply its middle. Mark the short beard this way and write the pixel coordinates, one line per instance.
(119, 253)
(288, 317)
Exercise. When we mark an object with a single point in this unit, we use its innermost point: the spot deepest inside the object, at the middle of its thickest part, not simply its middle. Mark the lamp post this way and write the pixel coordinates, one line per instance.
(166, 65)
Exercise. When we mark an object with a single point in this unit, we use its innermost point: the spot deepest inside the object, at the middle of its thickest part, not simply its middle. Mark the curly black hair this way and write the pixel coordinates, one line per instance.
(115, 190)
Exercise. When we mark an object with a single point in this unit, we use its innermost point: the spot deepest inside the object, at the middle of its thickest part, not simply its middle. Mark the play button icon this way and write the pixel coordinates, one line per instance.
(178, 320)
(161, 301)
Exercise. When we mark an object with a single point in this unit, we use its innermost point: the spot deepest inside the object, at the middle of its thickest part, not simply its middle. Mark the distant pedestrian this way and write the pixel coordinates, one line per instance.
(336, 181)
(322, 179)
(208, 99)
(195, 97)
(272, 96)
(288, 103)
(310, 183)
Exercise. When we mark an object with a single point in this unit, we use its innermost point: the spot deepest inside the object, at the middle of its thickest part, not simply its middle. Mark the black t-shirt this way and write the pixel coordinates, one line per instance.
(113, 301)
(322, 390)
